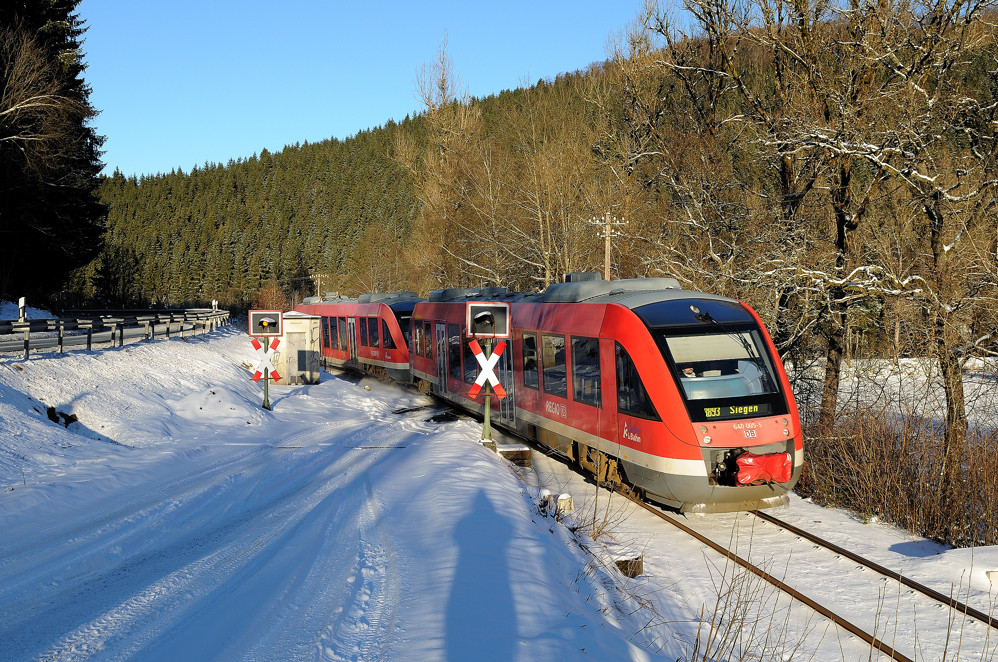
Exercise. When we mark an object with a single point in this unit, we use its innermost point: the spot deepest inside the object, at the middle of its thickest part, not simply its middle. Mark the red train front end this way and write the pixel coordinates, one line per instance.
(719, 426)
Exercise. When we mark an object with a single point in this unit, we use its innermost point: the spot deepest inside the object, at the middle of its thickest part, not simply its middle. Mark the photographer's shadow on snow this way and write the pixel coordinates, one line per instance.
(481, 621)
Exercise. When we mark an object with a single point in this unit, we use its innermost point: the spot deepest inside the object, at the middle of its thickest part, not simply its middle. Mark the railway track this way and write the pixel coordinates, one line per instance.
(960, 607)
(887, 649)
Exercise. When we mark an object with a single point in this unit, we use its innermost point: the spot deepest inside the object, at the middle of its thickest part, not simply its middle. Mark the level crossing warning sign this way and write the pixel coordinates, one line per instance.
(265, 364)
(488, 364)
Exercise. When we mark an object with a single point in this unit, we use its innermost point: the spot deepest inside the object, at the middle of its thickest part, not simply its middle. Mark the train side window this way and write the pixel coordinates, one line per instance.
(362, 325)
(632, 398)
(343, 333)
(325, 332)
(389, 342)
(417, 339)
(428, 339)
(470, 364)
(554, 365)
(528, 349)
(372, 331)
(332, 338)
(586, 372)
(454, 351)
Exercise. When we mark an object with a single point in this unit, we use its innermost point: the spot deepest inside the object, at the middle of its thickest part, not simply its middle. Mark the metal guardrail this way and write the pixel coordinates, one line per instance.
(87, 328)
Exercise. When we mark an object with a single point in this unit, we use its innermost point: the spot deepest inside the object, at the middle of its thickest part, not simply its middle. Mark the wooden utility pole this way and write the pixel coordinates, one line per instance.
(318, 282)
(609, 232)
(606, 255)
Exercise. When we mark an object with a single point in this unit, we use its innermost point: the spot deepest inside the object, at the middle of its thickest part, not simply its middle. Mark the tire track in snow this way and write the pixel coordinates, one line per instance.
(226, 541)
(368, 615)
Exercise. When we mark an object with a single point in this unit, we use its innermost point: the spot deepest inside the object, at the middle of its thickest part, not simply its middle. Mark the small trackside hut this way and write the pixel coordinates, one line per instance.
(298, 354)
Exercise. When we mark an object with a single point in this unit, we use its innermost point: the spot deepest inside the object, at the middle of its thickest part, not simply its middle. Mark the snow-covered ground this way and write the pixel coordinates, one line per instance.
(174, 518)
(9, 311)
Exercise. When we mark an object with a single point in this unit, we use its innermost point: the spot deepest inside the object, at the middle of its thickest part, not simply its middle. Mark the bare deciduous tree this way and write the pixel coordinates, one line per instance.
(35, 117)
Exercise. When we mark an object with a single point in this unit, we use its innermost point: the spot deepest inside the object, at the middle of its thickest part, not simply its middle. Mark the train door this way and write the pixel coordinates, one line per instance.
(504, 371)
(441, 335)
(352, 338)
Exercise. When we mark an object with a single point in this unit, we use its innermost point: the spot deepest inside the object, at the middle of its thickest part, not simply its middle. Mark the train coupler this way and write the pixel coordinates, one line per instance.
(761, 469)
(739, 468)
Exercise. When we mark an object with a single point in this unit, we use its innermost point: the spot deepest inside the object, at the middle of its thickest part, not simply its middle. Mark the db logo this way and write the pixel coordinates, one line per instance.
(632, 434)
(749, 434)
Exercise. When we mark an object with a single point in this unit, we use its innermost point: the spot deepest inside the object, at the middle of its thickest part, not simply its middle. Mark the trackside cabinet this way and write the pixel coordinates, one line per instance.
(297, 355)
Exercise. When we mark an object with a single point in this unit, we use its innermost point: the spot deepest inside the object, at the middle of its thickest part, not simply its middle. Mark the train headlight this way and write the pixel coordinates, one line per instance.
(786, 433)
(706, 440)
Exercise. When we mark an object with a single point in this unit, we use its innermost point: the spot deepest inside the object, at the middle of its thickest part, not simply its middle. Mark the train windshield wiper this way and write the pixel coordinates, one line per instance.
(740, 338)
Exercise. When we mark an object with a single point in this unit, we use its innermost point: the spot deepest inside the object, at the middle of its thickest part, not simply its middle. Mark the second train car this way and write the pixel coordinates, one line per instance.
(371, 332)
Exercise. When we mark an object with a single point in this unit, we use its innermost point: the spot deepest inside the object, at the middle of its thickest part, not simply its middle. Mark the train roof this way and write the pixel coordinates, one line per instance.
(608, 291)
(645, 296)
(471, 293)
(631, 293)
(388, 298)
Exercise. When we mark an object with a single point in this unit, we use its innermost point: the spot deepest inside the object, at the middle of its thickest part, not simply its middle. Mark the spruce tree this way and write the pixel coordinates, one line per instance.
(50, 218)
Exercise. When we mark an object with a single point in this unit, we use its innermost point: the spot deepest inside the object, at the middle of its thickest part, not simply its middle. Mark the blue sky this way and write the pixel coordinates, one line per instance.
(181, 83)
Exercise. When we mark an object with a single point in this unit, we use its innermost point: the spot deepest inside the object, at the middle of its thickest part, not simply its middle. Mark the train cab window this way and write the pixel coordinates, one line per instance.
(388, 341)
(325, 332)
(528, 350)
(585, 371)
(343, 333)
(632, 398)
(724, 375)
(554, 365)
(454, 351)
(372, 331)
(362, 325)
(722, 365)
(428, 339)
(332, 336)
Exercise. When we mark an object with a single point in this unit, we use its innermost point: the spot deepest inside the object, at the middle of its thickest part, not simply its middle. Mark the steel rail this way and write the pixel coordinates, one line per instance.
(789, 590)
(955, 604)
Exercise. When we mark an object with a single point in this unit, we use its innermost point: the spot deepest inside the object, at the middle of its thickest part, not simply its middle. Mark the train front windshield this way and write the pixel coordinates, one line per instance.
(723, 374)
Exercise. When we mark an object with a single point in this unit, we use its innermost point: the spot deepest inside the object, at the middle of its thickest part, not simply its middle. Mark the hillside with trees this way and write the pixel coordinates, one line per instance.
(832, 165)
(225, 232)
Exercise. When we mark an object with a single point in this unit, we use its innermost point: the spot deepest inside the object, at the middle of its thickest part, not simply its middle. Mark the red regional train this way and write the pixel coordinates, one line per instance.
(678, 395)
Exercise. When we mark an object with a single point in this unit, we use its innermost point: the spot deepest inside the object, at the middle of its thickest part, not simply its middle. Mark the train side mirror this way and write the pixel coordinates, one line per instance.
(265, 322)
(488, 320)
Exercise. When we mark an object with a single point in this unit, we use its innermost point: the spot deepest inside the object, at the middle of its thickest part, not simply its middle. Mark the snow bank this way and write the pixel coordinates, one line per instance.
(176, 519)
